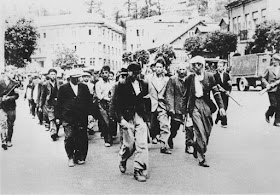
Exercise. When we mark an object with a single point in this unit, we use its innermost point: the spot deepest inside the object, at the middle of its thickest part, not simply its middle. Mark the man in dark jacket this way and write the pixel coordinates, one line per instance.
(224, 85)
(73, 104)
(174, 98)
(48, 101)
(8, 95)
(271, 75)
(132, 114)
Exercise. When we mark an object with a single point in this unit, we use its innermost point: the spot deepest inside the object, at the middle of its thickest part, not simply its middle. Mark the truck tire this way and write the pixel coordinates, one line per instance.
(243, 84)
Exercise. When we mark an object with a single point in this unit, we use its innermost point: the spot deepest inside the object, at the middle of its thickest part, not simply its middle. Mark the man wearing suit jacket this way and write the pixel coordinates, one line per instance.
(130, 108)
(48, 101)
(157, 88)
(174, 98)
(223, 80)
(271, 75)
(8, 97)
(72, 110)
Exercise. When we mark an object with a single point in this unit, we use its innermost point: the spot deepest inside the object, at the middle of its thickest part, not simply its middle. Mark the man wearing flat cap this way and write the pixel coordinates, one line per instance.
(132, 115)
(271, 75)
(73, 108)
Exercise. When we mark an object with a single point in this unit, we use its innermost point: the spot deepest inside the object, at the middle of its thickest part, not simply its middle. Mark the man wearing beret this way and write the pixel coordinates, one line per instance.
(271, 75)
(132, 114)
(72, 110)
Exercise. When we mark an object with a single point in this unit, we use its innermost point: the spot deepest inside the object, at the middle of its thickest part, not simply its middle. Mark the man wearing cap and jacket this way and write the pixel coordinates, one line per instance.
(132, 114)
(271, 75)
(72, 110)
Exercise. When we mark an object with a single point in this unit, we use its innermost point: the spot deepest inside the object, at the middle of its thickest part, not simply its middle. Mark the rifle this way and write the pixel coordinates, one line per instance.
(272, 85)
(221, 89)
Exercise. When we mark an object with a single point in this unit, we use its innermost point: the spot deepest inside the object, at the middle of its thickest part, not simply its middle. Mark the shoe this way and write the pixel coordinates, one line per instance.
(189, 149)
(165, 151)
(170, 143)
(9, 144)
(224, 126)
(276, 124)
(80, 162)
(54, 137)
(267, 118)
(122, 167)
(107, 145)
(154, 141)
(138, 175)
(203, 164)
(4, 146)
(71, 163)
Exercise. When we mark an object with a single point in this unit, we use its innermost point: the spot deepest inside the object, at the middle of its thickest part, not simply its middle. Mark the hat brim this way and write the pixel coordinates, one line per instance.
(75, 75)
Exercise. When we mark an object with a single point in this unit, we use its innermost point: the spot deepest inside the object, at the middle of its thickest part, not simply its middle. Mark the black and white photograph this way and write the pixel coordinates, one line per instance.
(140, 96)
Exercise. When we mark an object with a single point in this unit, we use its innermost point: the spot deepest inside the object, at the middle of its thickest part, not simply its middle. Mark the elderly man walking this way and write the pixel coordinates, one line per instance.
(198, 104)
(131, 113)
(73, 104)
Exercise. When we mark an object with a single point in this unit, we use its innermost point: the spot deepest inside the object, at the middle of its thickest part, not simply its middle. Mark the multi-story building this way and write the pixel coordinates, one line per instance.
(244, 15)
(152, 32)
(96, 42)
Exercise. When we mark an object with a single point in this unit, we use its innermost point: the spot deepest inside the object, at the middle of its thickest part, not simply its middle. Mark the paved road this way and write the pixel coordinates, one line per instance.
(244, 158)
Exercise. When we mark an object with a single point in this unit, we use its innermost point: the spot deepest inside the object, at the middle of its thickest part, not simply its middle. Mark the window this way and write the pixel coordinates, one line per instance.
(234, 25)
(112, 50)
(103, 31)
(45, 35)
(131, 47)
(263, 14)
(239, 23)
(89, 32)
(246, 22)
(116, 38)
(99, 47)
(104, 62)
(83, 60)
(255, 17)
(112, 36)
(109, 62)
(142, 32)
(104, 49)
(137, 33)
(92, 61)
(109, 49)
(75, 47)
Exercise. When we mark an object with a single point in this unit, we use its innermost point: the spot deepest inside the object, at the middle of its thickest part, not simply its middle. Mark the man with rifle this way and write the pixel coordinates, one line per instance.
(269, 78)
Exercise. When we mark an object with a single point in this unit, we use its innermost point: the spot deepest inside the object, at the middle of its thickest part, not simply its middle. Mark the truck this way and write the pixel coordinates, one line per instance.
(247, 70)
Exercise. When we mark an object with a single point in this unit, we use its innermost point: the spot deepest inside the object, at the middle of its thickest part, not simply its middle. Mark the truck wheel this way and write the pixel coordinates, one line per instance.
(243, 85)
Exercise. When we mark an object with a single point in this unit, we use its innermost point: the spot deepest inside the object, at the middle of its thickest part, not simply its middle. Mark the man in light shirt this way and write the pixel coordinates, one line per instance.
(103, 89)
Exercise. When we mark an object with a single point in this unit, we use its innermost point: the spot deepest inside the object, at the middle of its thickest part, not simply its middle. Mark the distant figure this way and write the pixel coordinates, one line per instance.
(271, 75)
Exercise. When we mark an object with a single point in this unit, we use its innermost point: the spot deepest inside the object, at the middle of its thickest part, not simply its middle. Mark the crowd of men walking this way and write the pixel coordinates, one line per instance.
(145, 108)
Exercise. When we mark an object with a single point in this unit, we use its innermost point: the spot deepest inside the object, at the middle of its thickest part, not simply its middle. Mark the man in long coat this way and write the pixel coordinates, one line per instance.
(198, 104)
(73, 104)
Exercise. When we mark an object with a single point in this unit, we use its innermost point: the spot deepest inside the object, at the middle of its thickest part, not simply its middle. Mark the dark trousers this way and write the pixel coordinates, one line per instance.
(274, 108)
(11, 117)
(32, 106)
(155, 129)
(219, 118)
(39, 115)
(106, 124)
(76, 141)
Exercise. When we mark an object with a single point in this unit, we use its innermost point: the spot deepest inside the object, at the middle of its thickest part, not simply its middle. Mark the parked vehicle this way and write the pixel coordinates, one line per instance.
(247, 70)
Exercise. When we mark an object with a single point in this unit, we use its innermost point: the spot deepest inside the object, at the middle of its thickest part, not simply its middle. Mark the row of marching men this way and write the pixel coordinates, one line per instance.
(141, 105)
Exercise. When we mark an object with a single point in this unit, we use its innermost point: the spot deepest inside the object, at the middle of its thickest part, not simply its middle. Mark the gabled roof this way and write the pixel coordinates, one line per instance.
(225, 20)
(169, 36)
(47, 21)
(208, 28)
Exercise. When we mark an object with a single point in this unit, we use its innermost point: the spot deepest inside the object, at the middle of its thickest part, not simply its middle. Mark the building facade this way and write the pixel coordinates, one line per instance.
(96, 42)
(244, 15)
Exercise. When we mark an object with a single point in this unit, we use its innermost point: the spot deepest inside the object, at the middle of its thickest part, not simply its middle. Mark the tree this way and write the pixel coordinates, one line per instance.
(167, 52)
(64, 58)
(219, 11)
(141, 56)
(20, 42)
(95, 6)
(266, 37)
(221, 43)
(194, 45)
